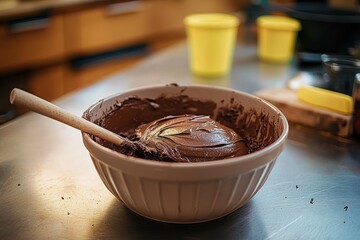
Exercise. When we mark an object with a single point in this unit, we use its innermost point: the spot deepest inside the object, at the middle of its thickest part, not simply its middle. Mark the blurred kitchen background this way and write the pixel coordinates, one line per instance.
(53, 47)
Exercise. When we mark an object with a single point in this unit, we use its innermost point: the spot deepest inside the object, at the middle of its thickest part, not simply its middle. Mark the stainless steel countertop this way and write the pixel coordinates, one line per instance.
(50, 189)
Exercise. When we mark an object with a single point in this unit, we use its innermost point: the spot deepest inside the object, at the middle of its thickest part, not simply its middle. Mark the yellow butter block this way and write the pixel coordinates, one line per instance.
(331, 100)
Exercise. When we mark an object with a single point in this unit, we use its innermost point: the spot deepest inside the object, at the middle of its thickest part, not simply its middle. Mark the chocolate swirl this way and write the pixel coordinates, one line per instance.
(191, 138)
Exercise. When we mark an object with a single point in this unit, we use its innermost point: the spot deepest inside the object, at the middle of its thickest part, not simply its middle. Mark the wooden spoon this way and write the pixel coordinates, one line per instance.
(43, 107)
(154, 143)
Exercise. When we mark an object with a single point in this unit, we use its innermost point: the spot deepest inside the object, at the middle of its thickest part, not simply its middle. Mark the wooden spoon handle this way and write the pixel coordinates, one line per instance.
(43, 107)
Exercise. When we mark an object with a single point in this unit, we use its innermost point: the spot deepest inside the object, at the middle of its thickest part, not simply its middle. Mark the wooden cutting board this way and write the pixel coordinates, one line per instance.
(306, 114)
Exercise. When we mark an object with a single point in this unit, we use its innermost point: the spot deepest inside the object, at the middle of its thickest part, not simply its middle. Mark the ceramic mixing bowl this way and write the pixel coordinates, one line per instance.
(190, 192)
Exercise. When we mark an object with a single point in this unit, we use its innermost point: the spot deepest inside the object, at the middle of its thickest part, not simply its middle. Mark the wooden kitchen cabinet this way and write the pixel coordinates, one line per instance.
(166, 16)
(31, 42)
(170, 18)
(46, 44)
(119, 24)
(105, 27)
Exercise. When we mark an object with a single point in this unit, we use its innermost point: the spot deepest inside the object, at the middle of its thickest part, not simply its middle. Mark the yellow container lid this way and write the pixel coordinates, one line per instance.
(211, 20)
(278, 23)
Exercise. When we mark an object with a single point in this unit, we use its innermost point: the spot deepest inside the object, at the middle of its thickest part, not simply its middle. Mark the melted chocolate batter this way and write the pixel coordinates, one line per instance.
(181, 125)
(190, 138)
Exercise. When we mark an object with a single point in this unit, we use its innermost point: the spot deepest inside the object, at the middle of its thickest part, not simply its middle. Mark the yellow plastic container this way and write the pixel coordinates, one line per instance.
(211, 41)
(277, 38)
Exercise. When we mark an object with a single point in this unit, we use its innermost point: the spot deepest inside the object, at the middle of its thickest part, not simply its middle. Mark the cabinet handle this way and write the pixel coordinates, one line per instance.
(28, 24)
(123, 8)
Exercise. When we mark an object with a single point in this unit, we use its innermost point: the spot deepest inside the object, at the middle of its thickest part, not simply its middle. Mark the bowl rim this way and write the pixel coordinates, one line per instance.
(214, 163)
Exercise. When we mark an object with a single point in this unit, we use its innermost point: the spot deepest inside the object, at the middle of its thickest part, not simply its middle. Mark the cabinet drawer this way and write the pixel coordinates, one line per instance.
(30, 42)
(167, 15)
(105, 27)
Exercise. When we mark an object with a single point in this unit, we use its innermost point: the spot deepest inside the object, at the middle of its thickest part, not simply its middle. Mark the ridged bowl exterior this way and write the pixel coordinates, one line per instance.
(185, 192)
(183, 202)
